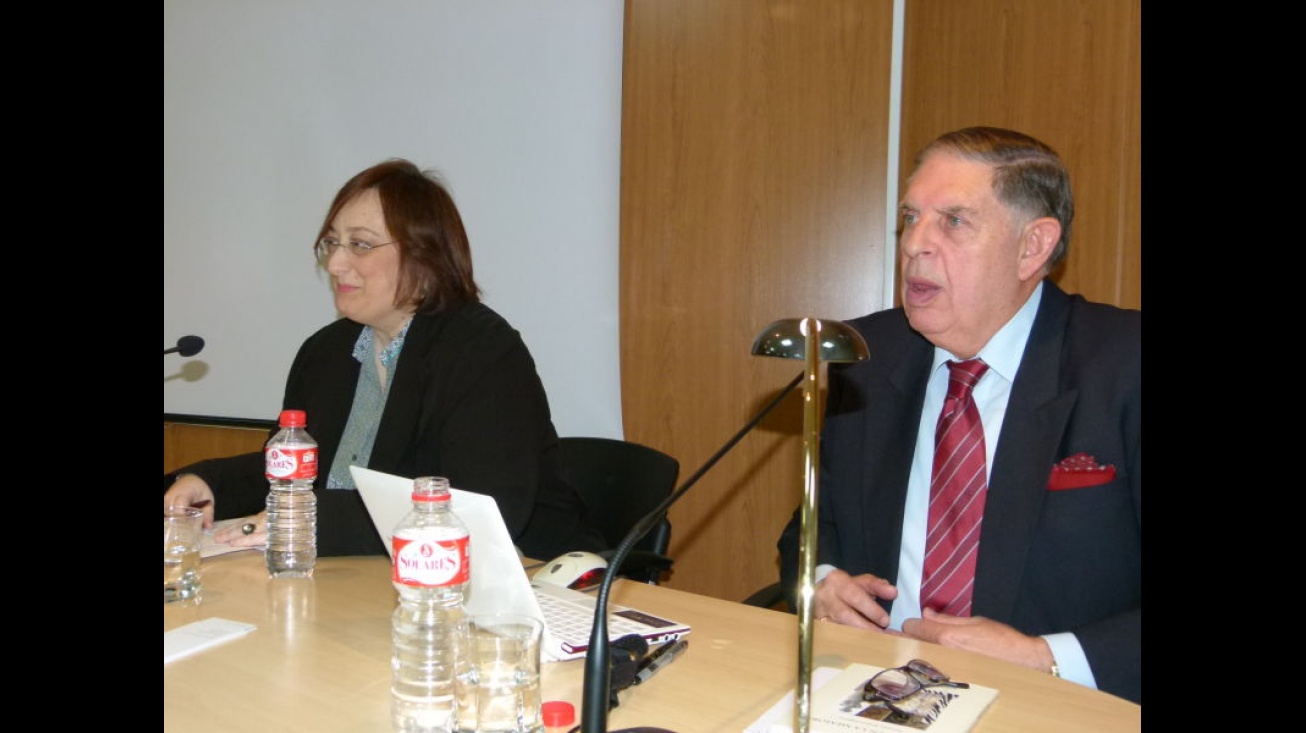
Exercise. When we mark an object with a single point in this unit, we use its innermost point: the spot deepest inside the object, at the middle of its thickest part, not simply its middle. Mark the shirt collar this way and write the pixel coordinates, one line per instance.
(367, 340)
(1003, 352)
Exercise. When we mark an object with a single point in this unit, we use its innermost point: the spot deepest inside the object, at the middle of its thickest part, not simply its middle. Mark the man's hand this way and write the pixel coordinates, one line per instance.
(850, 600)
(982, 635)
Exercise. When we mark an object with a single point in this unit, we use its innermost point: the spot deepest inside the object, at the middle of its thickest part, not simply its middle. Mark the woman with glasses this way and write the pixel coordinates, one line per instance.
(417, 378)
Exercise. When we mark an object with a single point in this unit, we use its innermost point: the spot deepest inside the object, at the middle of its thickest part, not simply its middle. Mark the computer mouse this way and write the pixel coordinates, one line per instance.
(577, 570)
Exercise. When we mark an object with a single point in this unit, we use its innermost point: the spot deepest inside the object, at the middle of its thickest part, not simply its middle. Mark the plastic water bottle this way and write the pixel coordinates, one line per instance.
(431, 572)
(290, 462)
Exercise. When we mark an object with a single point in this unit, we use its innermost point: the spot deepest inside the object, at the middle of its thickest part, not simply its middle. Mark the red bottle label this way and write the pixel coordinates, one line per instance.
(289, 462)
(423, 561)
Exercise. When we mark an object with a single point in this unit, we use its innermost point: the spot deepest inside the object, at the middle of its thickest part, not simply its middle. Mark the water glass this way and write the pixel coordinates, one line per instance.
(499, 692)
(183, 532)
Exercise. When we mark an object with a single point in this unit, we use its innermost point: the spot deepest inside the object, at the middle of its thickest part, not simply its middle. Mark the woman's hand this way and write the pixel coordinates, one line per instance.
(248, 532)
(191, 490)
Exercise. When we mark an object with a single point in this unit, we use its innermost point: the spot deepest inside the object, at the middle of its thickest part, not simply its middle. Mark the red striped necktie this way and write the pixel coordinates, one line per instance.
(957, 491)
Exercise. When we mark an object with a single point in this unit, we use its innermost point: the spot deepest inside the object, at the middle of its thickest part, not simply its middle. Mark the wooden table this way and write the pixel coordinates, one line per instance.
(320, 661)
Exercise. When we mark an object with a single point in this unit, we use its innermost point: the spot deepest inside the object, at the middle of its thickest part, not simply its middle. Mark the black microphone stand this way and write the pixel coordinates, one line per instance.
(598, 658)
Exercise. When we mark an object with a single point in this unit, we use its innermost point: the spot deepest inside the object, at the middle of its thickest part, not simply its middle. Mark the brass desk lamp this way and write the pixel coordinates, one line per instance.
(813, 340)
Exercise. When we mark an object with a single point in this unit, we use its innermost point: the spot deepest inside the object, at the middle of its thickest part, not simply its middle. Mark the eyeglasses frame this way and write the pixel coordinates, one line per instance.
(918, 671)
(324, 247)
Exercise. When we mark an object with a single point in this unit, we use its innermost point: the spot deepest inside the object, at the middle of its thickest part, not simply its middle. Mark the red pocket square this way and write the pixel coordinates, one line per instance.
(1079, 471)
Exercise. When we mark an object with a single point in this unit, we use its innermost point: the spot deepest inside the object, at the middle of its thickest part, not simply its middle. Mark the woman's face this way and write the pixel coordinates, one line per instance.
(364, 283)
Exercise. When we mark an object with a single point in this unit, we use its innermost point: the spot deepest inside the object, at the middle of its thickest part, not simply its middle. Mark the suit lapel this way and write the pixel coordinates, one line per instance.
(403, 408)
(1037, 415)
(889, 452)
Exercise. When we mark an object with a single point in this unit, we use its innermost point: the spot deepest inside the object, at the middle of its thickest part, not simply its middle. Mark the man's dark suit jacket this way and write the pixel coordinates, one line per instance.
(465, 402)
(1049, 560)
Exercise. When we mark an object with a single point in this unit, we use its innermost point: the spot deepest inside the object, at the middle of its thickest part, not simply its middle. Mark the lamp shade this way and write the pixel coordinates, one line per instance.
(787, 339)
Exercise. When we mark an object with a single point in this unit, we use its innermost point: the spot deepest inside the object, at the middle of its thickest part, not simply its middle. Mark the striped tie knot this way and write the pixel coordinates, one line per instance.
(963, 376)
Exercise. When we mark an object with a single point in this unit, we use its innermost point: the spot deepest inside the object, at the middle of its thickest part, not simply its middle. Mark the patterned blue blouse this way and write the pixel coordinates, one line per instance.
(369, 402)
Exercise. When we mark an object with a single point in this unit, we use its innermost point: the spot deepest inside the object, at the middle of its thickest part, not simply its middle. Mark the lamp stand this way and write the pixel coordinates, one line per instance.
(807, 521)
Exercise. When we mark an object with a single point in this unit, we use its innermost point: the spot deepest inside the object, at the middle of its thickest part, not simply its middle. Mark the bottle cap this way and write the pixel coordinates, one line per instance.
(557, 714)
(293, 419)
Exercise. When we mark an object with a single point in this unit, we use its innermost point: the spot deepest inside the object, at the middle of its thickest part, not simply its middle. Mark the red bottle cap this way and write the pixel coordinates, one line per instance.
(293, 419)
(557, 714)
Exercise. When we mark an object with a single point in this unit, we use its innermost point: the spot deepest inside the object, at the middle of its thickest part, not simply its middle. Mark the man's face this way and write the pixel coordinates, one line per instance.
(960, 249)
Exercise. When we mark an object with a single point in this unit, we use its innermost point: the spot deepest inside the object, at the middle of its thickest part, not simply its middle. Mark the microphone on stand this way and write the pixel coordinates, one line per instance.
(186, 346)
(597, 682)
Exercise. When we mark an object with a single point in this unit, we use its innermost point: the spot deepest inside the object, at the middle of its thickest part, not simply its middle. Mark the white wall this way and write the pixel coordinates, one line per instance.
(268, 107)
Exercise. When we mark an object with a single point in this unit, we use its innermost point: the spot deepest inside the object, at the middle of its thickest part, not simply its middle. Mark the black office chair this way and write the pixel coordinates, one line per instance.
(771, 596)
(621, 482)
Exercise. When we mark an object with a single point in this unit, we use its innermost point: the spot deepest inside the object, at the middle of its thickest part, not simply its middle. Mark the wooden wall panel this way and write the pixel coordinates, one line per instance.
(1068, 72)
(754, 159)
(185, 444)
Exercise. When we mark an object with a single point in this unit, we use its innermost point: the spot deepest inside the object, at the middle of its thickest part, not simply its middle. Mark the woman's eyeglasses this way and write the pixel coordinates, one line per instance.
(356, 247)
(892, 685)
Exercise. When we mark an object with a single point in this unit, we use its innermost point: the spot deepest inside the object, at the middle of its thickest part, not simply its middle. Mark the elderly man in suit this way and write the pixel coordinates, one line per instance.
(1054, 580)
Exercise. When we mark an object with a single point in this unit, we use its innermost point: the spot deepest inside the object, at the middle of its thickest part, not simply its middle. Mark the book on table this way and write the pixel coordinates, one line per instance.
(838, 705)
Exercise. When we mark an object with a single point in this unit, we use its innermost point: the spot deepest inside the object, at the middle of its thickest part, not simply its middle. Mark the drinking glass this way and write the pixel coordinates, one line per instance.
(183, 532)
(500, 690)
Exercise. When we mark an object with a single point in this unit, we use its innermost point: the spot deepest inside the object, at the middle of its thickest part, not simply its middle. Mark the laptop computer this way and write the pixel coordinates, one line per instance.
(499, 581)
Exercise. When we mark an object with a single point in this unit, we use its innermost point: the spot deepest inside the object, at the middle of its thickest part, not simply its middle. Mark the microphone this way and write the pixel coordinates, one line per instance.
(186, 346)
(596, 684)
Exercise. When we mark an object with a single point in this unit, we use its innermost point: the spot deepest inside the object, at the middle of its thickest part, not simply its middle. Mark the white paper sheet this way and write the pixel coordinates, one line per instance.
(499, 581)
(200, 635)
(780, 717)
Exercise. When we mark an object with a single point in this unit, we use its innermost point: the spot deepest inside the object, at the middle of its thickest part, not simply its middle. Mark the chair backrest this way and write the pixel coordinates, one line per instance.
(621, 482)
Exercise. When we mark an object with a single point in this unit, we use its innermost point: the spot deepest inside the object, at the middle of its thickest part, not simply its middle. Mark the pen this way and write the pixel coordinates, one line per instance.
(659, 659)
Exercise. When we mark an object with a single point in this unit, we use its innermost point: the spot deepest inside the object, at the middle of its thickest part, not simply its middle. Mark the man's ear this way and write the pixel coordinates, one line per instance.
(1037, 240)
